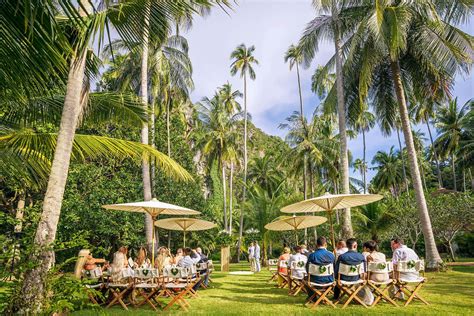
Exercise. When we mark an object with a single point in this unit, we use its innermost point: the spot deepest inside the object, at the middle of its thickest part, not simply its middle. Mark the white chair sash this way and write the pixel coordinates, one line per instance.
(351, 270)
(380, 267)
(323, 270)
(411, 266)
(298, 265)
(146, 273)
(272, 262)
(201, 266)
(283, 264)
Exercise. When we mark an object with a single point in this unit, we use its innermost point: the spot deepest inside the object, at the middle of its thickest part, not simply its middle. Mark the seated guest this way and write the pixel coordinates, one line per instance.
(304, 250)
(351, 257)
(283, 270)
(298, 257)
(163, 259)
(179, 255)
(372, 255)
(195, 256)
(142, 261)
(403, 253)
(320, 257)
(119, 263)
(341, 248)
(186, 261)
(85, 261)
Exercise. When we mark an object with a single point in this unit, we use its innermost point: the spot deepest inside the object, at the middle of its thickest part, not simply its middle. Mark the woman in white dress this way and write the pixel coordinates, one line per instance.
(119, 263)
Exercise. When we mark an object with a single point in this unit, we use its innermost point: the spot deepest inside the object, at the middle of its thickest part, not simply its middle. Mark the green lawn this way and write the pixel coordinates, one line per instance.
(449, 293)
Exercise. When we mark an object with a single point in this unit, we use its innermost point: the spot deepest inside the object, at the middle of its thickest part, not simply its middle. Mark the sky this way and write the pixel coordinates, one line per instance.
(272, 26)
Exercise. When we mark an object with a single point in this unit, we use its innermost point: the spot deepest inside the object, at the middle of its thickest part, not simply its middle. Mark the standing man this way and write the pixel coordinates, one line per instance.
(251, 252)
(257, 256)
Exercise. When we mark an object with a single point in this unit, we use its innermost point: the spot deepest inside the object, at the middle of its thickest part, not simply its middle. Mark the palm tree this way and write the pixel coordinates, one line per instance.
(361, 166)
(243, 61)
(362, 124)
(449, 120)
(405, 47)
(373, 219)
(389, 174)
(335, 21)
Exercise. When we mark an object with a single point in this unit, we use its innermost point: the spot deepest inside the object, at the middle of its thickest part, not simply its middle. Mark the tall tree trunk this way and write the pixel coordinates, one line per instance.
(20, 209)
(404, 170)
(144, 133)
(472, 179)
(305, 158)
(432, 256)
(168, 122)
(438, 169)
(364, 167)
(152, 138)
(244, 193)
(464, 180)
(224, 192)
(341, 111)
(453, 168)
(34, 288)
(231, 192)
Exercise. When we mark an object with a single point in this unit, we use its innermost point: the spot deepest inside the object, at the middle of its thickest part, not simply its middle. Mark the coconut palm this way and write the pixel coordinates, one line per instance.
(361, 166)
(389, 174)
(335, 21)
(449, 126)
(373, 219)
(364, 121)
(243, 62)
(405, 46)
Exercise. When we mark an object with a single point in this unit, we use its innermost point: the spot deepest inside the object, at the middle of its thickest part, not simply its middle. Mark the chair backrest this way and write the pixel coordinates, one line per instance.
(173, 272)
(283, 264)
(323, 270)
(92, 274)
(351, 270)
(146, 274)
(380, 267)
(201, 266)
(298, 265)
(272, 262)
(411, 266)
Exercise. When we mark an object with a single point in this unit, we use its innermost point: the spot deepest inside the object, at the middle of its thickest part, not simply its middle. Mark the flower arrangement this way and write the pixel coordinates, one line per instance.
(322, 269)
(381, 266)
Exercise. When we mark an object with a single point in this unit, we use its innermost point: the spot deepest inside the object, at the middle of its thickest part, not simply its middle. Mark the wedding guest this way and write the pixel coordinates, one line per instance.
(142, 261)
(351, 257)
(320, 257)
(372, 255)
(285, 256)
(86, 261)
(163, 259)
(298, 257)
(257, 256)
(341, 248)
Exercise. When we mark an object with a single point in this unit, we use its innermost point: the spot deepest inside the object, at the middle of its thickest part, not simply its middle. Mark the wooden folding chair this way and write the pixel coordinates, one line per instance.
(410, 285)
(273, 268)
(174, 288)
(320, 290)
(351, 288)
(283, 264)
(121, 288)
(296, 276)
(147, 286)
(191, 277)
(380, 289)
(94, 285)
(203, 272)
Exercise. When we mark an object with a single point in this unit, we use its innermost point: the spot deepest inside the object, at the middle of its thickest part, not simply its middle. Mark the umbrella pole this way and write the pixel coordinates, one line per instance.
(153, 242)
(296, 235)
(184, 239)
(332, 232)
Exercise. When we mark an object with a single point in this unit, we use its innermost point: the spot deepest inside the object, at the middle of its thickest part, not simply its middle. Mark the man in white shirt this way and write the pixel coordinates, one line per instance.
(300, 271)
(403, 253)
(190, 258)
(251, 252)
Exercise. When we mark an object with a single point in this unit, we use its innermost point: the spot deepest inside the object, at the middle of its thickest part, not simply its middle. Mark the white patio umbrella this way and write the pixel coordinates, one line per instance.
(184, 224)
(330, 202)
(295, 223)
(154, 208)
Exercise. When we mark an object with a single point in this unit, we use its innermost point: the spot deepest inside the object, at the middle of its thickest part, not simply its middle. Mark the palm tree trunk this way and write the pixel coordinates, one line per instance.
(438, 169)
(231, 180)
(404, 170)
(364, 167)
(168, 123)
(472, 179)
(152, 137)
(305, 158)
(432, 256)
(144, 133)
(453, 167)
(224, 192)
(244, 193)
(341, 111)
(34, 286)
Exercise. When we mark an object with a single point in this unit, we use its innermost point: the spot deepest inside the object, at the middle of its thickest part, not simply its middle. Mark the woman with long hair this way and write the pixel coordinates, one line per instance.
(85, 261)
(142, 261)
(164, 258)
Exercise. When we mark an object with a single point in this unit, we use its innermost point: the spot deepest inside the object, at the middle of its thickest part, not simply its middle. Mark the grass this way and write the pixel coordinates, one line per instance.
(449, 294)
